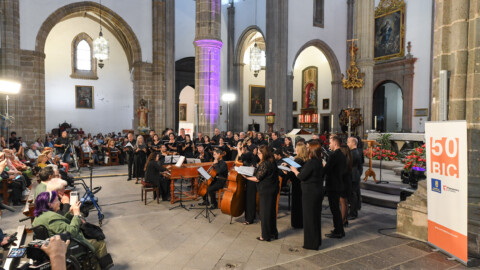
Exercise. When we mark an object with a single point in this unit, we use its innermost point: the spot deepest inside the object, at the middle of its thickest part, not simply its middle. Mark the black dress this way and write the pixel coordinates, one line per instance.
(312, 192)
(267, 187)
(188, 152)
(296, 212)
(139, 159)
(250, 190)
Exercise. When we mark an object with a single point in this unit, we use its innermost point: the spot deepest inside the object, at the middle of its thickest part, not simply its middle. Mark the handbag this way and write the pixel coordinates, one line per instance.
(91, 231)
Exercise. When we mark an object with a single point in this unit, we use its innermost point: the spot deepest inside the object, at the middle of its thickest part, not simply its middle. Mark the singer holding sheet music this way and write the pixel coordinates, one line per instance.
(246, 157)
(266, 176)
(139, 159)
(218, 182)
(312, 196)
(128, 148)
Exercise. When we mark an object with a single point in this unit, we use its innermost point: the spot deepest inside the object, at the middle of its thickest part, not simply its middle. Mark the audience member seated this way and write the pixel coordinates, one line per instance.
(42, 161)
(15, 181)
(45, 175)
(33, 152)
(58, 185)
(87, 150)
(46, 207)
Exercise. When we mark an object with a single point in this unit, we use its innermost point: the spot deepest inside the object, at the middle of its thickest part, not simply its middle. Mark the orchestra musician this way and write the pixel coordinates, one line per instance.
(246, 157)
(202, 154)
(218, 182)
(266, 176)
(154, 174)
(312, 195)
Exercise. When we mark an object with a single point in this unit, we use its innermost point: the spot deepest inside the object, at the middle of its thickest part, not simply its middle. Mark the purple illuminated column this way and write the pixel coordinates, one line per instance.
(207, 64)
(207, 82)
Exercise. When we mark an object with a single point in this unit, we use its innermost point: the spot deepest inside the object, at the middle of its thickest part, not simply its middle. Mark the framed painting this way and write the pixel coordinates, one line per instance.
(256, 100)
(182, 112)
(309, 87)
(389, 32)
(325, 104)
(84, 97)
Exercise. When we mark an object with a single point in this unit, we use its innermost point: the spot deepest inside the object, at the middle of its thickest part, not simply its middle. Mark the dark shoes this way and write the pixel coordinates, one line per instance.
(214, 206)
(352, 217)
(335, 235)
(128, 179)
(204, 203)
(261, 239)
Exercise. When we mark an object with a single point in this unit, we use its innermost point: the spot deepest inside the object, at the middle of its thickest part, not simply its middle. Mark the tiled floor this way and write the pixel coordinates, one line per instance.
(154, 237)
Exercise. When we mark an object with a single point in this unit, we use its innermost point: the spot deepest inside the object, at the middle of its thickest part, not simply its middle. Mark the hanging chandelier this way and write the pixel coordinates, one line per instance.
(255, 59)
(101, 49)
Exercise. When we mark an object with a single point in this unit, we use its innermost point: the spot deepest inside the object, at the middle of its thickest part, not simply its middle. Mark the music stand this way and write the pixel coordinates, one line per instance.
(181, 205)
(380, 181)
(206, 211)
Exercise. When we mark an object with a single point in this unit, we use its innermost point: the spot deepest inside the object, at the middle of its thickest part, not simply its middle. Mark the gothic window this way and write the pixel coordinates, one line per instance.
(318, 13)
(83, 63)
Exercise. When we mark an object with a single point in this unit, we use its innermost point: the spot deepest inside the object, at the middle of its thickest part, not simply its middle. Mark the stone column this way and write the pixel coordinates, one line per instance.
(457, 49)
(237, 107)
(350, 25)
(276, 76)
(364, 30)
(170, 99)
(230, 69)
(207, 63)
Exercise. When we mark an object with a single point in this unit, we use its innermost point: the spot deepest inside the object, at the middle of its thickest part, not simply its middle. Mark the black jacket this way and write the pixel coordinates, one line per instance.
(357, 165)
(311, 173)
(334, 170)
(267, 175)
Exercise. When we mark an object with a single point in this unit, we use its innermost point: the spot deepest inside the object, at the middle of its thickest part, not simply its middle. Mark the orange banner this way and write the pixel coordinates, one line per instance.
(449, 240)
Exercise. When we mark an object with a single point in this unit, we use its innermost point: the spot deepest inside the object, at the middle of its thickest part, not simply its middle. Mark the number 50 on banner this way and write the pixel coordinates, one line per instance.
(444, 156)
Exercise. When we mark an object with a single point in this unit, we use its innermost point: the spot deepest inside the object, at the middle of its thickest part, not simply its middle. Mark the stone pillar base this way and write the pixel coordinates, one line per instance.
(412, 214)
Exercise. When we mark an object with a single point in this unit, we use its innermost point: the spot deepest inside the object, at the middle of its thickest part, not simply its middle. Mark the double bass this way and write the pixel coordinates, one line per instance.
(233, 200)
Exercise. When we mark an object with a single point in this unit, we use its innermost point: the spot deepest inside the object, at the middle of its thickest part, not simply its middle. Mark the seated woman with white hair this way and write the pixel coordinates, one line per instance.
(58, 185)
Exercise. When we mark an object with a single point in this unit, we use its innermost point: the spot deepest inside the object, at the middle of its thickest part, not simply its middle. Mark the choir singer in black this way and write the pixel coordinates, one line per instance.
(266, 176)
(312, 195)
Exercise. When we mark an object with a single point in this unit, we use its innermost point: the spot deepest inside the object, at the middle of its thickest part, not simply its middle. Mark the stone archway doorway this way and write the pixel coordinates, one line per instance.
(184, 76)
(388, 107)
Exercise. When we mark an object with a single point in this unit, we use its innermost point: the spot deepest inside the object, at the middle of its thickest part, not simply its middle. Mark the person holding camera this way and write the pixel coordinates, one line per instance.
(46, 206)
(61, 144)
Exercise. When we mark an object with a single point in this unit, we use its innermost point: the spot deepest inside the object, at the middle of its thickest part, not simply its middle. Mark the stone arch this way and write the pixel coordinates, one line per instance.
(338, 93)
(184, 76)
(236, 108)
(379, 110)
(110, 20)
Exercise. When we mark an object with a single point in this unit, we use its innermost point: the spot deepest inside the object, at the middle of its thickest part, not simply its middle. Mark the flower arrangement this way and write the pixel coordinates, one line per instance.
(416, 158)
(381, 154)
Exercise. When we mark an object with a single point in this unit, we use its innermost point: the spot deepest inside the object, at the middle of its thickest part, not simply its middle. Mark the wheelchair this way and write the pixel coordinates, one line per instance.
(79, 255)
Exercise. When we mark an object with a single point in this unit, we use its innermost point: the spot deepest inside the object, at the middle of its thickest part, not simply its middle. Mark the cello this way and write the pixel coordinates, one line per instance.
(233, 200)
(202, 187)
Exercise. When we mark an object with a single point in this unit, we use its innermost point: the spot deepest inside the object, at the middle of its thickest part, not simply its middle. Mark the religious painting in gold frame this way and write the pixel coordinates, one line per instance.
(309, 87)
(389, 30)
(256, 105)
(182, 112)
(84, 97)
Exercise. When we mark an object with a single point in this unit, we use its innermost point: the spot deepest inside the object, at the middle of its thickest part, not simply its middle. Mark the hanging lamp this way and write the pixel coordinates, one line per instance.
(101, 48)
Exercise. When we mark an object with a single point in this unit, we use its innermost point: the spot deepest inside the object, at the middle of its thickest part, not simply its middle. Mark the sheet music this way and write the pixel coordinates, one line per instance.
(180, 161)
(193, 160)
(204, 173)
(248, 171)
(292, 163)
(171, 159)
(283, 168)
(129, 145)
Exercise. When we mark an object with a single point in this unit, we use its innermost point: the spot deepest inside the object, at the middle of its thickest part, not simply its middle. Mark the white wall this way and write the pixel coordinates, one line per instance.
(312, 56)
(245, 16)
(187, 96)
(418, 30)
(137, 14)
(113, 91)
(184, 29)
(301, 29)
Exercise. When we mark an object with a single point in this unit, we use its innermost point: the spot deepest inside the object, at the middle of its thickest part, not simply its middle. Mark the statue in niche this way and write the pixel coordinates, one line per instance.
(142, 112)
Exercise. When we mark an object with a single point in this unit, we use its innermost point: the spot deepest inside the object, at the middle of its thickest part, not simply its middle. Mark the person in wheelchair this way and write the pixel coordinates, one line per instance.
(46, 206)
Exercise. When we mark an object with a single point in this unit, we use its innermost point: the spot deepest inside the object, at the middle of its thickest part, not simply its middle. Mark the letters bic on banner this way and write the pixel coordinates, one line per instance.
(444, 156)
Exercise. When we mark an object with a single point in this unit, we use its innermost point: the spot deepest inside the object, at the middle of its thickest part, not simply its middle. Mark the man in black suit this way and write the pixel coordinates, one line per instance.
(216, 138)
(334, 170)
(276, 143)
(128, 148)
(357, 170)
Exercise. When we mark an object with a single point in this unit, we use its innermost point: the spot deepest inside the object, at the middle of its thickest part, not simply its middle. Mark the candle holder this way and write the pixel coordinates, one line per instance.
(270, 121)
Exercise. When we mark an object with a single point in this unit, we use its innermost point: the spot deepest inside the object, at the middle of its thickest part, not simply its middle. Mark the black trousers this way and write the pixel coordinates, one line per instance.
(268, 214)
(163, 185)
(214, 187)
(334, 203)
(130, 163)
(354, 199)
(312, 211)
(250, 201)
